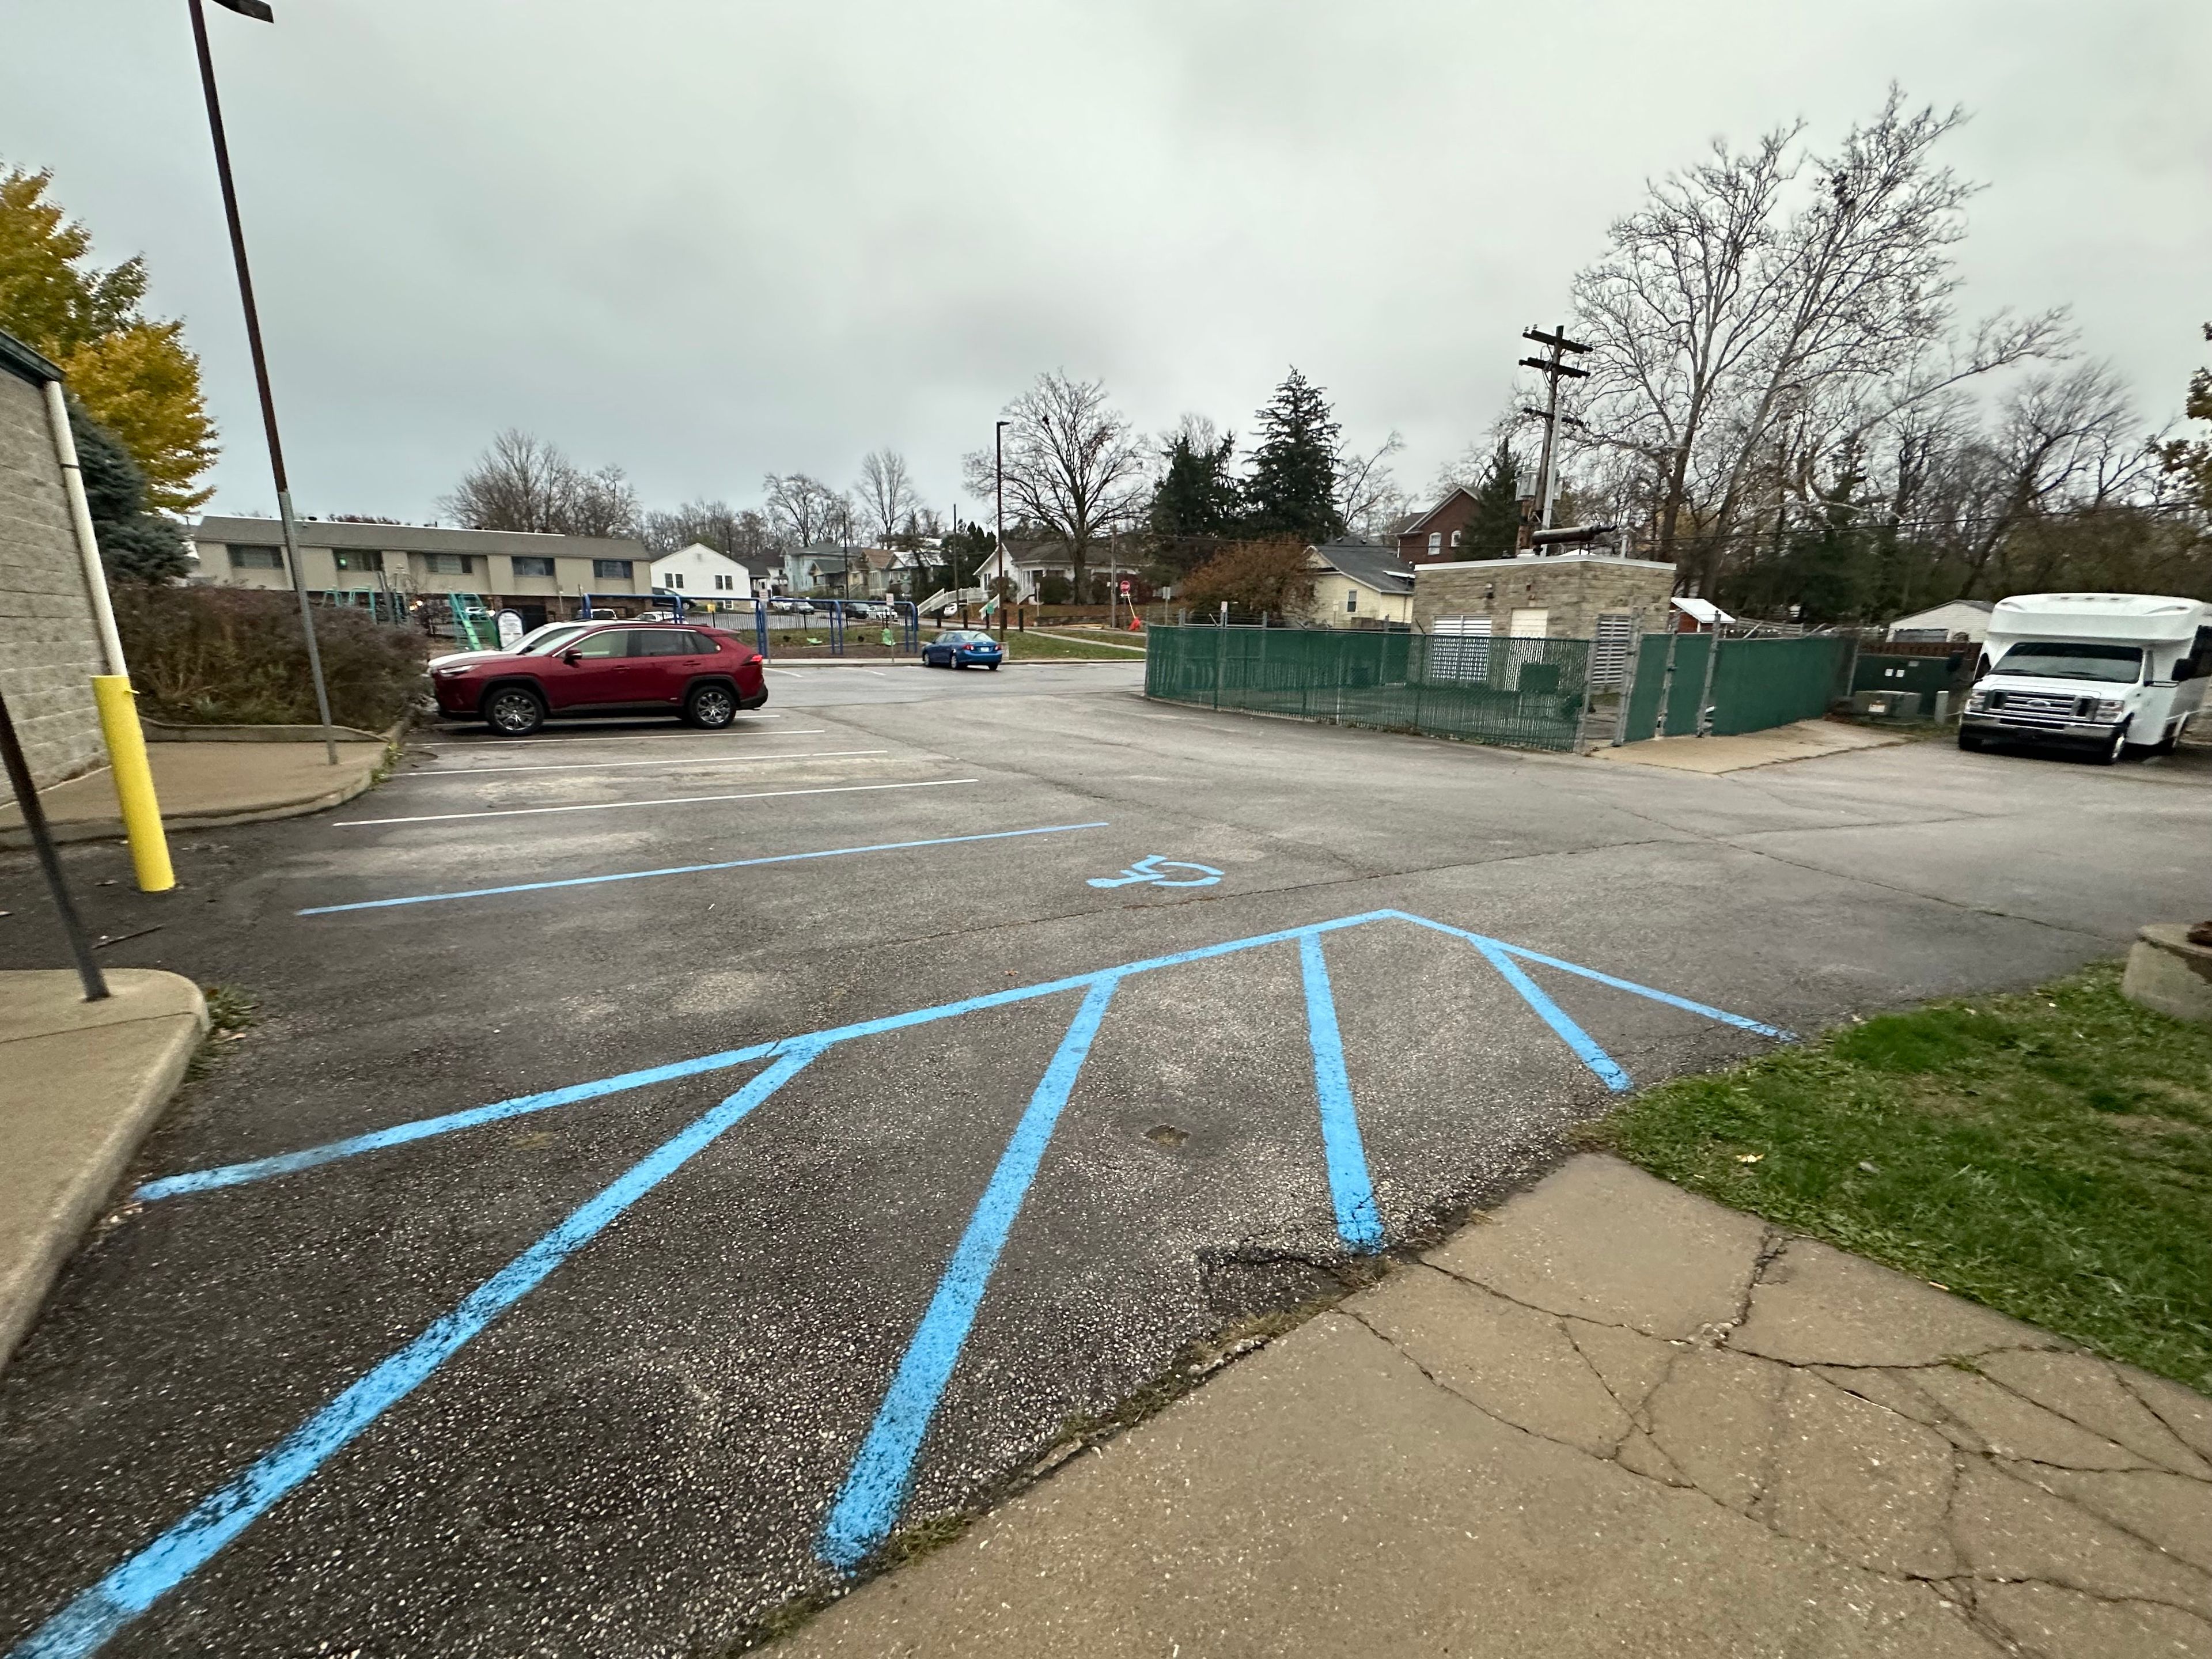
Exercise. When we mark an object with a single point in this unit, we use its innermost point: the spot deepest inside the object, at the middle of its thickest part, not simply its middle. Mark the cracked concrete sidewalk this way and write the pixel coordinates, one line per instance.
(1610, 1417)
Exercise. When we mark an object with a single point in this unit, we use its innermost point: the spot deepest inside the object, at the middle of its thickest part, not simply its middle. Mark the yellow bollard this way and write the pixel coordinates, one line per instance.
(134, 782)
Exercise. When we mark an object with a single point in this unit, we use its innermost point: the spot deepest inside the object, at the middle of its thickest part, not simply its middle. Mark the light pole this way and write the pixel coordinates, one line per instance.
(255, 8)
(999, 462)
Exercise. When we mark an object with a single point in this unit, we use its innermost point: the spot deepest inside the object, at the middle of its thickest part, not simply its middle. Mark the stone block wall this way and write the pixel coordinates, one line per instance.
(1574, 588)
(49, 651)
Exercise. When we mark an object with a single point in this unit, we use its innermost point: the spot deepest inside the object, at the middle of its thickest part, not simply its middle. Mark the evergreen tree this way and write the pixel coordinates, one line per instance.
(1293, 488)
(1494, 531)
(1196, 503)
(135, 545)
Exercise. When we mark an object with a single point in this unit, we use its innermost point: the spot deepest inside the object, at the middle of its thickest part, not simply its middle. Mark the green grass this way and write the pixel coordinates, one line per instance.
(2048, 1154)
(1030, 648)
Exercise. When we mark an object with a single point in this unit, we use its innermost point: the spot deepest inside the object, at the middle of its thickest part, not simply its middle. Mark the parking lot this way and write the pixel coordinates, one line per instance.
(666, 1162)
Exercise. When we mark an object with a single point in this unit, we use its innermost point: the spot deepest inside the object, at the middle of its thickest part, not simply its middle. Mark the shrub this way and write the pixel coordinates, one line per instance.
(1263, 576)
(223, 655)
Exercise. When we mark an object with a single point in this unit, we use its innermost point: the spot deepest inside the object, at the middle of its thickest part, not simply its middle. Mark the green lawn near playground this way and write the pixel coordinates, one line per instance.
(1036, 647)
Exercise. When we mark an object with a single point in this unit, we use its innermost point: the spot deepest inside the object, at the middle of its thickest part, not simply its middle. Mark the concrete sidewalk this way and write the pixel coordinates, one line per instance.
(1805, 740)
(1609, 1419)
(79, 1085)
(204, 785)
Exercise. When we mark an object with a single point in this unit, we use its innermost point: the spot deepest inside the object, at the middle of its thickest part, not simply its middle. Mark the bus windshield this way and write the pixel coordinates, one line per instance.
(2053, 659)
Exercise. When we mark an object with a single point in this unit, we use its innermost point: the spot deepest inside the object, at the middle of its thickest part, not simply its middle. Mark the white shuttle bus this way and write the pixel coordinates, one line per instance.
(2110, 671)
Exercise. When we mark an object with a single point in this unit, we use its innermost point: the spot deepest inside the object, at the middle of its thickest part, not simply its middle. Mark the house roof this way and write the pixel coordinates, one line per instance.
(1378, 568)
(1983, 605)
(1422, 522)
(20, 359)
(416, 539)
(693, 549)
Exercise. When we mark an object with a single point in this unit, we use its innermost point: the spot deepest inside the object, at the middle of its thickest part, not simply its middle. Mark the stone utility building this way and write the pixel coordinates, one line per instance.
(49, 650)
(542, 577)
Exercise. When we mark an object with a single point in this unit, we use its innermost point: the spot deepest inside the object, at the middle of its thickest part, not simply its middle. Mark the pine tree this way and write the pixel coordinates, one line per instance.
(1291, 490)
(135, 545)
(1196, 503)
(1494, 530)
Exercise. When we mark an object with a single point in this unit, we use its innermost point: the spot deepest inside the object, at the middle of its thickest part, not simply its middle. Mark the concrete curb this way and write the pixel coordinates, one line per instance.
(80, 1084)
(15, 839)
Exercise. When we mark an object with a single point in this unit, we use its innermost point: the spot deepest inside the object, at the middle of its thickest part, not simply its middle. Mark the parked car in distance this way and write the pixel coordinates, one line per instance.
(959, 646)
(702, 674)
(542, 638)
(656, 616)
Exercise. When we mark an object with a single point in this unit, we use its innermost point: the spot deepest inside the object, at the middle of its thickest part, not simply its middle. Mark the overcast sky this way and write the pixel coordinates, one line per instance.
(706, 239)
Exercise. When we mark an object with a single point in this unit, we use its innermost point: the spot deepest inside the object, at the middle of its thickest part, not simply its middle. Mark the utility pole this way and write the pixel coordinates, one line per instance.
(255, 9)
(1553, 366)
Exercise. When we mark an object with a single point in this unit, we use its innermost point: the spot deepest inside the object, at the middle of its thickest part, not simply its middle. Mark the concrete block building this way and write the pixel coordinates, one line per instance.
(543, 578)
(49, 650)
(1599, 597)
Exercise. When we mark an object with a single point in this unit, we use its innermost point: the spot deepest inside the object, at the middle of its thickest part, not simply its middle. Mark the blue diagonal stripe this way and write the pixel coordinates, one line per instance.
(868, 1504)
(84, 1625)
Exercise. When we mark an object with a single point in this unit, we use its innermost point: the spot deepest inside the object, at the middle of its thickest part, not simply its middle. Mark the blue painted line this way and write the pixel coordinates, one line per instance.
(1585, 1045)
(875, 1487)
(1358, 1222)
(688, 869)
(85, 1623)
(1740, 1021)
(260, 1168)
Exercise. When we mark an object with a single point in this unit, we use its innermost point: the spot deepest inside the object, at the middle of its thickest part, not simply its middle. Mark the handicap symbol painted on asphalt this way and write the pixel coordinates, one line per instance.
(1154, 870)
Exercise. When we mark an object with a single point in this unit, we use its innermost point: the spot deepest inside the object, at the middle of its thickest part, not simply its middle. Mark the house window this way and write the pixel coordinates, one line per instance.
(533, 567)
(359, 560)
(1352, 599)
(256, 558)
(723, 583)
(450, 564)
(1435, 542)
(1455, 539)
(614, 569)
(676, 579)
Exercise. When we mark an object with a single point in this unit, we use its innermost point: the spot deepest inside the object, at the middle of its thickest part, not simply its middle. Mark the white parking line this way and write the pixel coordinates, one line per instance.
(608, 766)
(673, 800)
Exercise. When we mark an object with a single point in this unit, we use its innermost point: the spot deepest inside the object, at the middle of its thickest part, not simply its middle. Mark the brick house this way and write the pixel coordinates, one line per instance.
(1434, 537)
(49, 646)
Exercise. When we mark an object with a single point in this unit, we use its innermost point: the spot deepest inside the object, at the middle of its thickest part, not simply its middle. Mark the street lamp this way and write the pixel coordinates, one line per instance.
(999, 463)
(259, 11)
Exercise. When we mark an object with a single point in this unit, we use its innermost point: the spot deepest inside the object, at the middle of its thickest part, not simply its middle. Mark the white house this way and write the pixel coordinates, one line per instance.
(1962, 619)
(698, 572)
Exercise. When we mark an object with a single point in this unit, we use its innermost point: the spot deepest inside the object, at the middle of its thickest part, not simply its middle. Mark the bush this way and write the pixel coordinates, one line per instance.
(1266, 576)
(236, 655)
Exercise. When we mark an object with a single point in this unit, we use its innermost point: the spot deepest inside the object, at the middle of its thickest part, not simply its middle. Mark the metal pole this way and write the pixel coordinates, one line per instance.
(261, 375)
(35, 820)
(1706, 691)
(999, 469)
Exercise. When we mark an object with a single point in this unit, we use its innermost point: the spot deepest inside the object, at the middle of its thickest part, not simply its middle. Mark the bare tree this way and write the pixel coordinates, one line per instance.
(1746, 329)
(1368, 495)
(804, 510)
(742, 533)
(1074, 466)
(886, 493)
(524, 482)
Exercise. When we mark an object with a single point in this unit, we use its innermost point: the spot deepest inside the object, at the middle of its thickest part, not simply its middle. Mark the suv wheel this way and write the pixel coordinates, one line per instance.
(513, 711)
(712, 706)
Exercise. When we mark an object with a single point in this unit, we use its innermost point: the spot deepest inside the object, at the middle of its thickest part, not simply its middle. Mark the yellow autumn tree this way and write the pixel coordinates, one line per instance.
(133, 373)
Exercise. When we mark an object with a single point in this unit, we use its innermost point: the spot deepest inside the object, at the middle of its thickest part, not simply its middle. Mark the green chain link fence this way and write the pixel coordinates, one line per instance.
(1753, 685)
(1526, 693)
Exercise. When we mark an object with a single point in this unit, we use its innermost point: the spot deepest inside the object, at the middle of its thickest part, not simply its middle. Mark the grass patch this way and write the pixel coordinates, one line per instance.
(1033, 647)
(2047, 1154)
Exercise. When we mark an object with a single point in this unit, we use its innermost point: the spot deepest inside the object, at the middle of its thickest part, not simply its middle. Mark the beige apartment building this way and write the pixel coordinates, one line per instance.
(543, 578)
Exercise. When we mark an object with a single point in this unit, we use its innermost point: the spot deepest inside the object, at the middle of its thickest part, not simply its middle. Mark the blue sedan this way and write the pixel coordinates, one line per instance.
(959, 647)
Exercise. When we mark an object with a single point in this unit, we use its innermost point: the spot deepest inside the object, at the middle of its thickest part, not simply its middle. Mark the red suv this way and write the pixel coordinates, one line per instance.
(704, 674)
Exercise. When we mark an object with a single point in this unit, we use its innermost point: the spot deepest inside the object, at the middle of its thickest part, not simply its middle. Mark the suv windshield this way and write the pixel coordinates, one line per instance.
(545, 638)
(2115, 664)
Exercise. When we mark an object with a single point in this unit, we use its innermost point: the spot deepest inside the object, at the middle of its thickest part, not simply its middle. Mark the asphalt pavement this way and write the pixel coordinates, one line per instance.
(668, 1162)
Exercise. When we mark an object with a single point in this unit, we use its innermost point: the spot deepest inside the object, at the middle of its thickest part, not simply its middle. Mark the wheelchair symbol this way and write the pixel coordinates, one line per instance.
(1154, 870)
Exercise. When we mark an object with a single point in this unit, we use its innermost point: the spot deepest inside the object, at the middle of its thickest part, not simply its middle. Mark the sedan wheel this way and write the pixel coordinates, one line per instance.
(513, 711)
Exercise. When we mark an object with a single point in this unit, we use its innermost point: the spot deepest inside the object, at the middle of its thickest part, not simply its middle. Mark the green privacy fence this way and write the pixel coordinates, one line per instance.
(1527, 693)
(1754, 684)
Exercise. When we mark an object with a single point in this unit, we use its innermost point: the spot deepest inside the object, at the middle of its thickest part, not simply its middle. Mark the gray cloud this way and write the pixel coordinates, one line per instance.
(706, 239)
